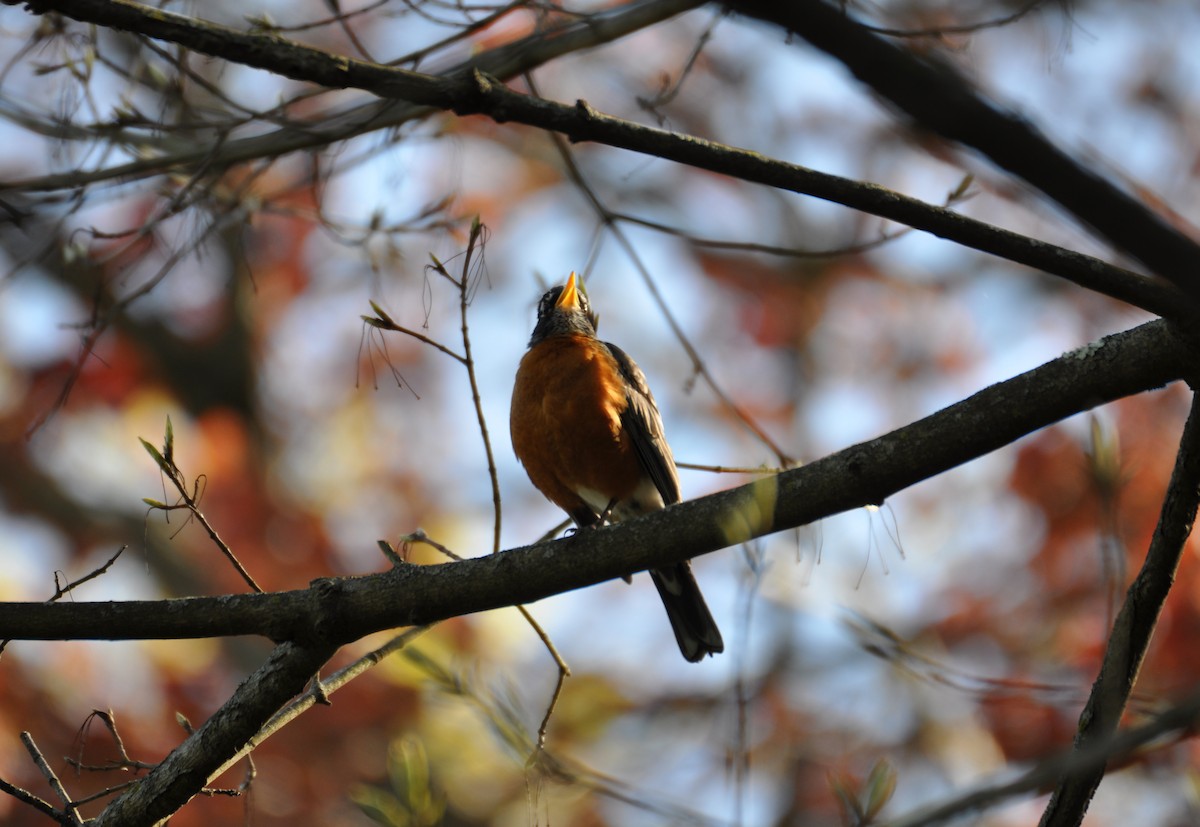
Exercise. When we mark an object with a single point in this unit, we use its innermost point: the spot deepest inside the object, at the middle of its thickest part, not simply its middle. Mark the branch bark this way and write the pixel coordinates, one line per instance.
(316, 621)
(1133, 629)
(337, 611)
(184, 772)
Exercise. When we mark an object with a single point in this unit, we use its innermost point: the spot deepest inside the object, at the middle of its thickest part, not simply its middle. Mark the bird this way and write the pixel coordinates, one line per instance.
(588, 432)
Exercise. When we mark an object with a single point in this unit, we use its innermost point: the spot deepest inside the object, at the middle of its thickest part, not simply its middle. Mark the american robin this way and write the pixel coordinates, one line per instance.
(585, 426)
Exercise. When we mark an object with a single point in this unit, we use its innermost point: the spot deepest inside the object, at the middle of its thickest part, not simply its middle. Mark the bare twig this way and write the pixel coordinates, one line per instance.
(961, 28)
(464, 283)
(671, 90)
(69, 806)
(189, 500)
(754, 247)
(101, 321)
(419, 536)
(42, 806)
(476, 240)
(564, 671)
(382, 321)
(64, 589)
(731, 469)
(123, 762)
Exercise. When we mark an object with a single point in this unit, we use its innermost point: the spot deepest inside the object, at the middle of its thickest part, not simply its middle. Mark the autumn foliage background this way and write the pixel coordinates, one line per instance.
(951, 634)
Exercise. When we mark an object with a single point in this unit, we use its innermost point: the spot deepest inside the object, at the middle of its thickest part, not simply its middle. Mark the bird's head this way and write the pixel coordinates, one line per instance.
(564, 310)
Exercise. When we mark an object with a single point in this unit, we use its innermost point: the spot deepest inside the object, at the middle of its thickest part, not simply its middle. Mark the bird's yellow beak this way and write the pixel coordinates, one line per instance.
(569, 300)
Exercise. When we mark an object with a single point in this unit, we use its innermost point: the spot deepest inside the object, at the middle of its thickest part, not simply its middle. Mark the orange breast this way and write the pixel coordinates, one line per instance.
(566, 422)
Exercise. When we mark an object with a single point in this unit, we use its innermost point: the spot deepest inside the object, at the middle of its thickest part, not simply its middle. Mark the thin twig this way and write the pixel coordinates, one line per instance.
(190, 500)
(55, 784)
(101, 322)
(106, 792)
(960, 28)
(671, 90)
(1179, 721)
(327, 687)
(26, 797)
(564, 671)
(730, 469)
(420, 536)
(381, 321)
(124, 762)
(476, 240)
(61, 591)
(754, 247)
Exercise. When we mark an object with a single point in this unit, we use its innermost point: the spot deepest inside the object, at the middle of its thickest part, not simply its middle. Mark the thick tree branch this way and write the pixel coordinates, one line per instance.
(470, 91)
(336, 611)
(1133, 628)
(183, 773)
(939, 99)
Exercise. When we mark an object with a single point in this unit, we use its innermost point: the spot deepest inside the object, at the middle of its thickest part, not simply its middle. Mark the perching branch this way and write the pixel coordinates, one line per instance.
(336, 611)
(316, 621)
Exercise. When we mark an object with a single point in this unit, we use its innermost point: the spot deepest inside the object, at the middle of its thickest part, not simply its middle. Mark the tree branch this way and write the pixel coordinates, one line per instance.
(185, 771)
(469, 91)
(340, 610)
(1177, 722)
(1133, 628)
(506, 61)
(939, 99)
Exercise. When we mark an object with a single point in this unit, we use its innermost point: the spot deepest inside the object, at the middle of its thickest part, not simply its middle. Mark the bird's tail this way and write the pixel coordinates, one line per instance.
(694, 627)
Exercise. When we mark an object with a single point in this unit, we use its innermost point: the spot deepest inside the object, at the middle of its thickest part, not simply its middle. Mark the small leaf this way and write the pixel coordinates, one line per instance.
(169, 443)
(438, 266)
(153, 452)
(381, 314)
(881, 784)
(156, 77)
(153, 503)
(843, 788)
(962, 187)
(261, 22)
(183, 721)
(390, 553)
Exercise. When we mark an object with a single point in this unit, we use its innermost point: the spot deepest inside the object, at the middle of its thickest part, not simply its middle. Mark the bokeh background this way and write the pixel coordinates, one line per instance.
(952, 634)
